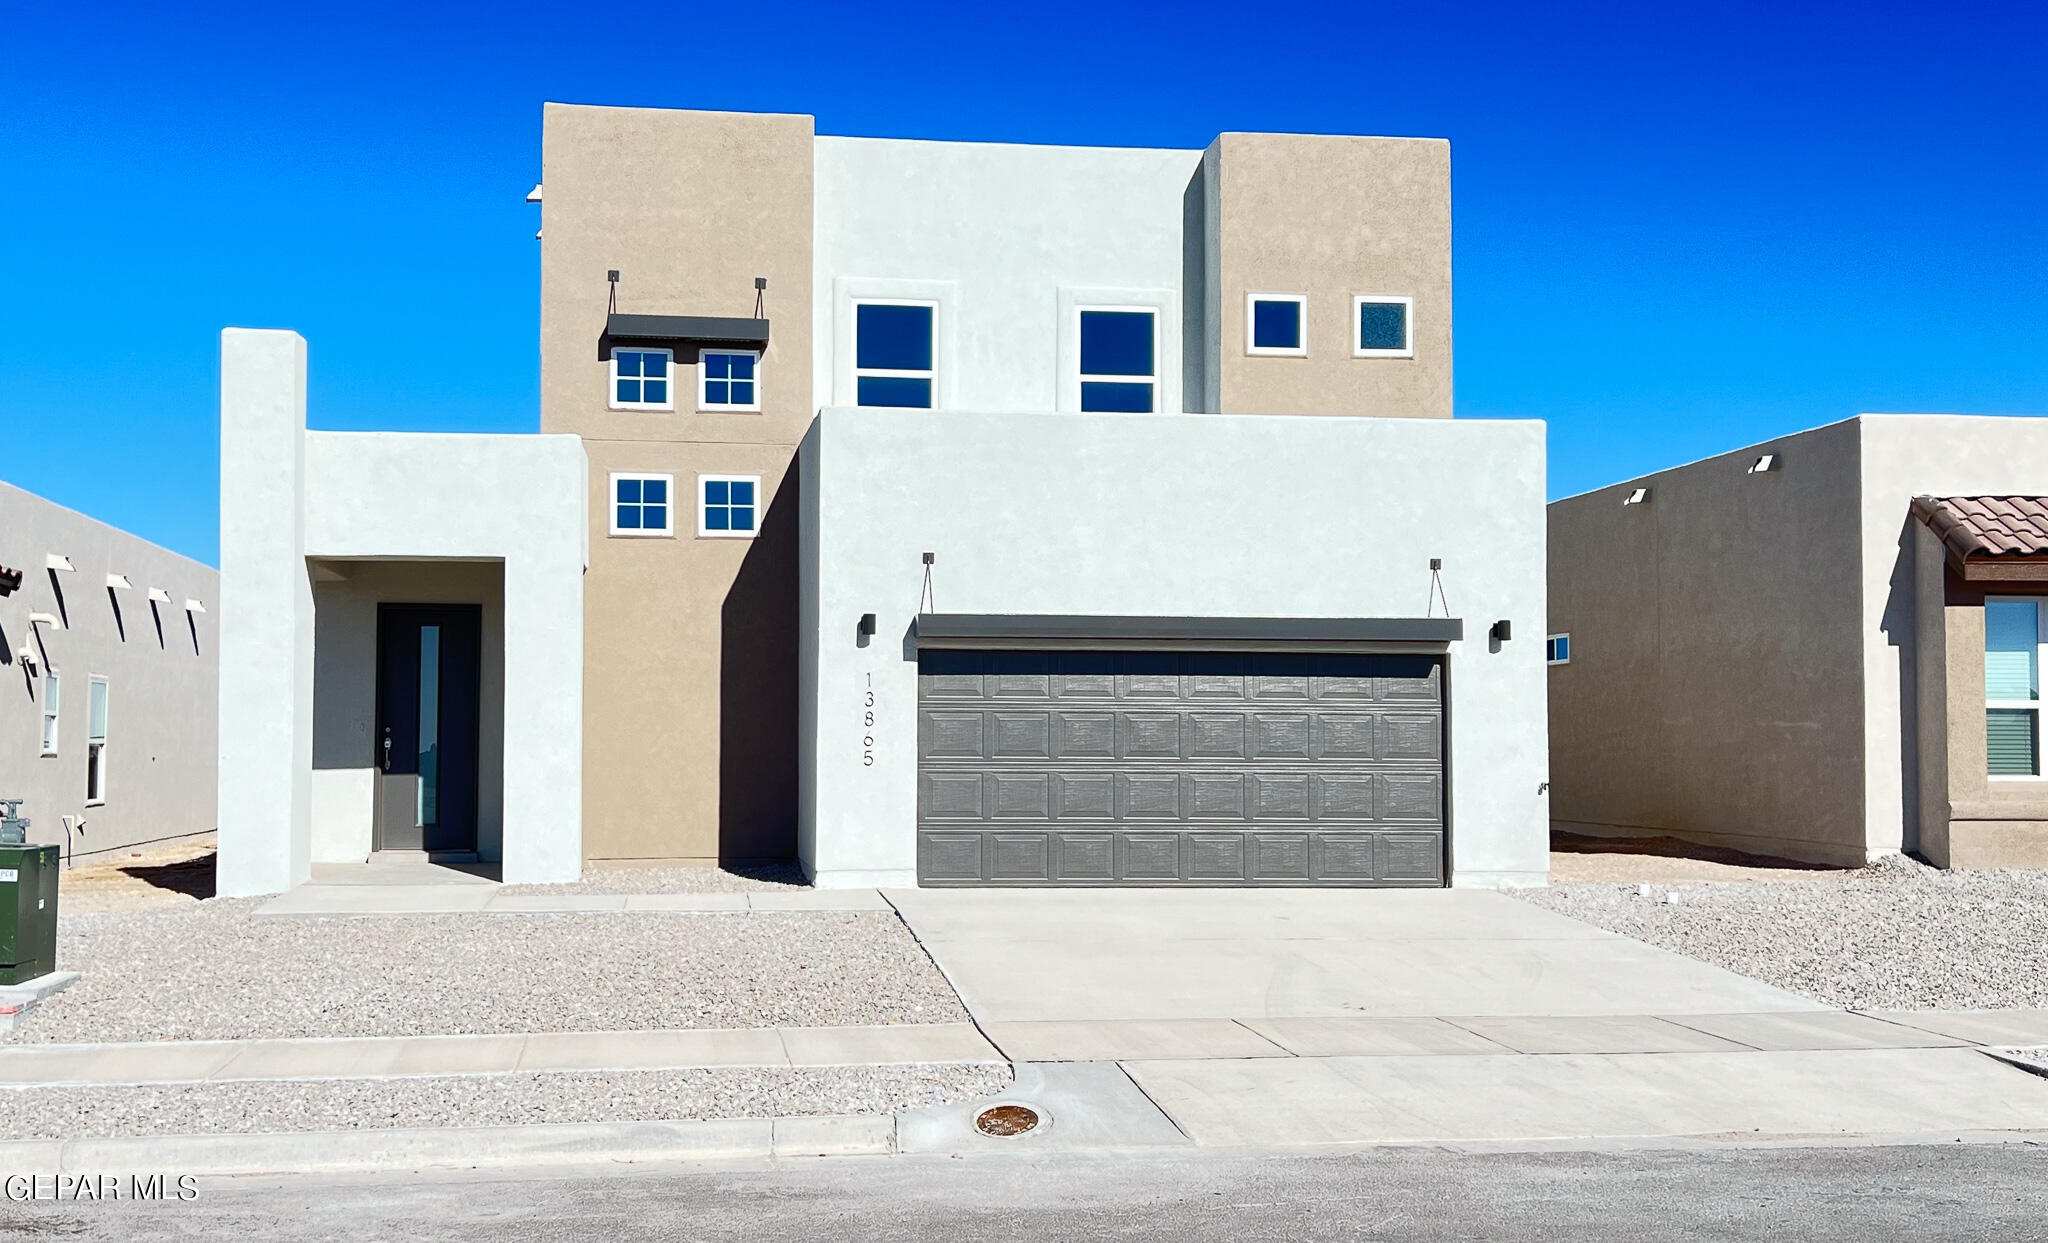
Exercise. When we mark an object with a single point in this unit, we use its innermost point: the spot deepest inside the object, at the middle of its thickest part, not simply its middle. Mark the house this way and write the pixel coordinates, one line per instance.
(933, 512)
(109, 662)
(1823, 647)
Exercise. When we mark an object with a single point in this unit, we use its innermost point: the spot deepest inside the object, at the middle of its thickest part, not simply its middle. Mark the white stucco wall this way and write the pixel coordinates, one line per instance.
(289, 495)
(1903, 456)
(1007, 238)
(1165, 515)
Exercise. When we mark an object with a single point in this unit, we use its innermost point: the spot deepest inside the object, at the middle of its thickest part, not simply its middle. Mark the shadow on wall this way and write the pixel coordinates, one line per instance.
(1898, 623)
(757, 693)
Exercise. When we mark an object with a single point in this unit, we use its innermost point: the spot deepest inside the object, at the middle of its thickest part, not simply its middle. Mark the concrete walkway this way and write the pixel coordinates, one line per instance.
(352, 898)
(219, 1061)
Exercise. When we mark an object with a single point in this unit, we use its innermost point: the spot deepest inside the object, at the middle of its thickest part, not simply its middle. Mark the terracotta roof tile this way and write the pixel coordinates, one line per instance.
(1987, 526)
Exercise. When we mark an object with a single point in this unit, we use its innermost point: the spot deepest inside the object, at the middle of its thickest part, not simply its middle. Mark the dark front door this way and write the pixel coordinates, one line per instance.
(429, 669)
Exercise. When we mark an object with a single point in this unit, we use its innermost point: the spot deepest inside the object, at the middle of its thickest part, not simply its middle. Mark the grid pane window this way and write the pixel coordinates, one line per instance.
(893, 354)
(640, 505)
(1119, 360)
(730, 504)
(730, 379)
(2012, 687)
(640, 378)
(1558, 649)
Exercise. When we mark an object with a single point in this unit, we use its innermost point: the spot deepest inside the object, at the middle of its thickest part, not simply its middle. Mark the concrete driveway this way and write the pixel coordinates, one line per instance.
(1276, 1017)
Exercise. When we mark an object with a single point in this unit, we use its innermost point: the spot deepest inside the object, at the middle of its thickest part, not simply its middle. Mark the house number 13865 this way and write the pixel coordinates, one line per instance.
(867, 723)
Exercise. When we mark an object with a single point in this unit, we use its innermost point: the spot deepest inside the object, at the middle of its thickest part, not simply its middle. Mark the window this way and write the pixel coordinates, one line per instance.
(96, 741)
(1119, 353)
(892, 354)
(50, 712)
(1557, 649)
(640, 505)
(1276, 323)
(2012, 687)
(727, 380)
(727, 504)
(640, 380)
(1381, 326)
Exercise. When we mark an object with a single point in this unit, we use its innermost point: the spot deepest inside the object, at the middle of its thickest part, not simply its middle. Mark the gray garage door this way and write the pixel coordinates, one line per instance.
(1179, 768)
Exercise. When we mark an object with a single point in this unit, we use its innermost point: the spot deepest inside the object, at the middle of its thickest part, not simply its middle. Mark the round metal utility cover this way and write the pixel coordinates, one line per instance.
(1006, 1120)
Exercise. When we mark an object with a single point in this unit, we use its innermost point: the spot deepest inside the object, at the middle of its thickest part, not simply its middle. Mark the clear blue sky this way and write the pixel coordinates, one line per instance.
(1679, 228)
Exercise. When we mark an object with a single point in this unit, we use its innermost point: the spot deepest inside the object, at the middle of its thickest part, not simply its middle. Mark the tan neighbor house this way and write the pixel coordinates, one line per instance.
(1823, 647)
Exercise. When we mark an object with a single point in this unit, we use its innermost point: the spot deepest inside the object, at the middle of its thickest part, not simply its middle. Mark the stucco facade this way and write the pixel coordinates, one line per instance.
(993, 498)
(97, 604)
(1766, 659)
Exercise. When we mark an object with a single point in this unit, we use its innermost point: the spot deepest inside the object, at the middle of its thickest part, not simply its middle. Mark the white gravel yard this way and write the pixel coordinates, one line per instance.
(209, 971)
(1895, 936)
(485, 1100)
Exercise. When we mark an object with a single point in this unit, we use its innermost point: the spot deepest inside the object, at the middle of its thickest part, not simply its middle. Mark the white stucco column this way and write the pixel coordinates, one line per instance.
(266, 622)
(543, 836)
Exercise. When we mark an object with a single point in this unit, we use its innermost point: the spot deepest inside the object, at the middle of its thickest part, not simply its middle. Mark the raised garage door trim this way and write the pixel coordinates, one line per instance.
(1072, 765)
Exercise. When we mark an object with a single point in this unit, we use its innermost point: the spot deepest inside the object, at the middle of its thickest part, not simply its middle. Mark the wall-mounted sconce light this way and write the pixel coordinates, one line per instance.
(1502, 631)
(867, 625)
(1768, 462)
(1639, 496)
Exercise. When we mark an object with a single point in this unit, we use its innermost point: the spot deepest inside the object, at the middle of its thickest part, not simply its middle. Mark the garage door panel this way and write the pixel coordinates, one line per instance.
(1084, 735)
(1148, 735)
(1163, 768)
(1215, 735)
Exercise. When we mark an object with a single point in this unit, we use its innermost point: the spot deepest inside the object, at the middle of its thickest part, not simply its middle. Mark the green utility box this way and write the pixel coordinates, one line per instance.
(28, 912)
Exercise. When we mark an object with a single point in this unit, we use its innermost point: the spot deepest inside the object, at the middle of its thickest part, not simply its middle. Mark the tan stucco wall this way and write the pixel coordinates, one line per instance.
(345, 599)
(1330, 217)
(1967, 820)
(689, 691)
(162, 667)
(1716, 684)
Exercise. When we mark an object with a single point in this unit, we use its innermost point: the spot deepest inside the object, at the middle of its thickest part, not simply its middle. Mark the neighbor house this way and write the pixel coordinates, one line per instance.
(1824, 647)
(109, 660)
(932, 512)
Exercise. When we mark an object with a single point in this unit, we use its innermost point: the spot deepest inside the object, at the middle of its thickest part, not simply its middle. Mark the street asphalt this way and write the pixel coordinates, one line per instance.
(1811, 1194)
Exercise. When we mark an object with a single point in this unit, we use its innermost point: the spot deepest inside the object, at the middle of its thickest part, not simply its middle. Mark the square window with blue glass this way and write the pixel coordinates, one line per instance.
(730, 504)
(1273, 324)
(640, 505)
(1382, 326)
(892, 354)
(640, 379)
(1119, 360)
(730, 380)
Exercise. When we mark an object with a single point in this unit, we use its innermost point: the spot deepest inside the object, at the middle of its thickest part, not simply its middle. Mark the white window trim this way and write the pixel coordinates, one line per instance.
(890, 373)
(704, 532)
(611, 501)
(1167, 397)
(2038, 707)
(1251, 302)
(1153, 381)
(96, 797)
(53, 711)
(703, 378)
(611, 391)
(1358, 300)
(833, 370)
(1566, 635)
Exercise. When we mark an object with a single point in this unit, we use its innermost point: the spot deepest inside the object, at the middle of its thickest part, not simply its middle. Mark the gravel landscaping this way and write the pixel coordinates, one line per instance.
(485, 1100)
(209, 971)
(1895, 936)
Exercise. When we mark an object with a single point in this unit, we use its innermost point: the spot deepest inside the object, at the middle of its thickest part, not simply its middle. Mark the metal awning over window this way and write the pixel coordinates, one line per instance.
(681, 332)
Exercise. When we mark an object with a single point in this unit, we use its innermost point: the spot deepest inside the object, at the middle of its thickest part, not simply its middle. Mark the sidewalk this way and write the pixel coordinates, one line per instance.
(485, 897)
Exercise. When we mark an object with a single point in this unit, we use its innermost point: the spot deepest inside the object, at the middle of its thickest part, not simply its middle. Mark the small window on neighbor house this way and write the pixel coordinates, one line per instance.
(728, 504)
(1275, 323)
(892, 354)
(2012, 687)
(96, 740)
(1380, 323)
(640, 380)
(50, 710)
(728, 380)
(640, 505)
(1558, 649)
(1119, 353)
